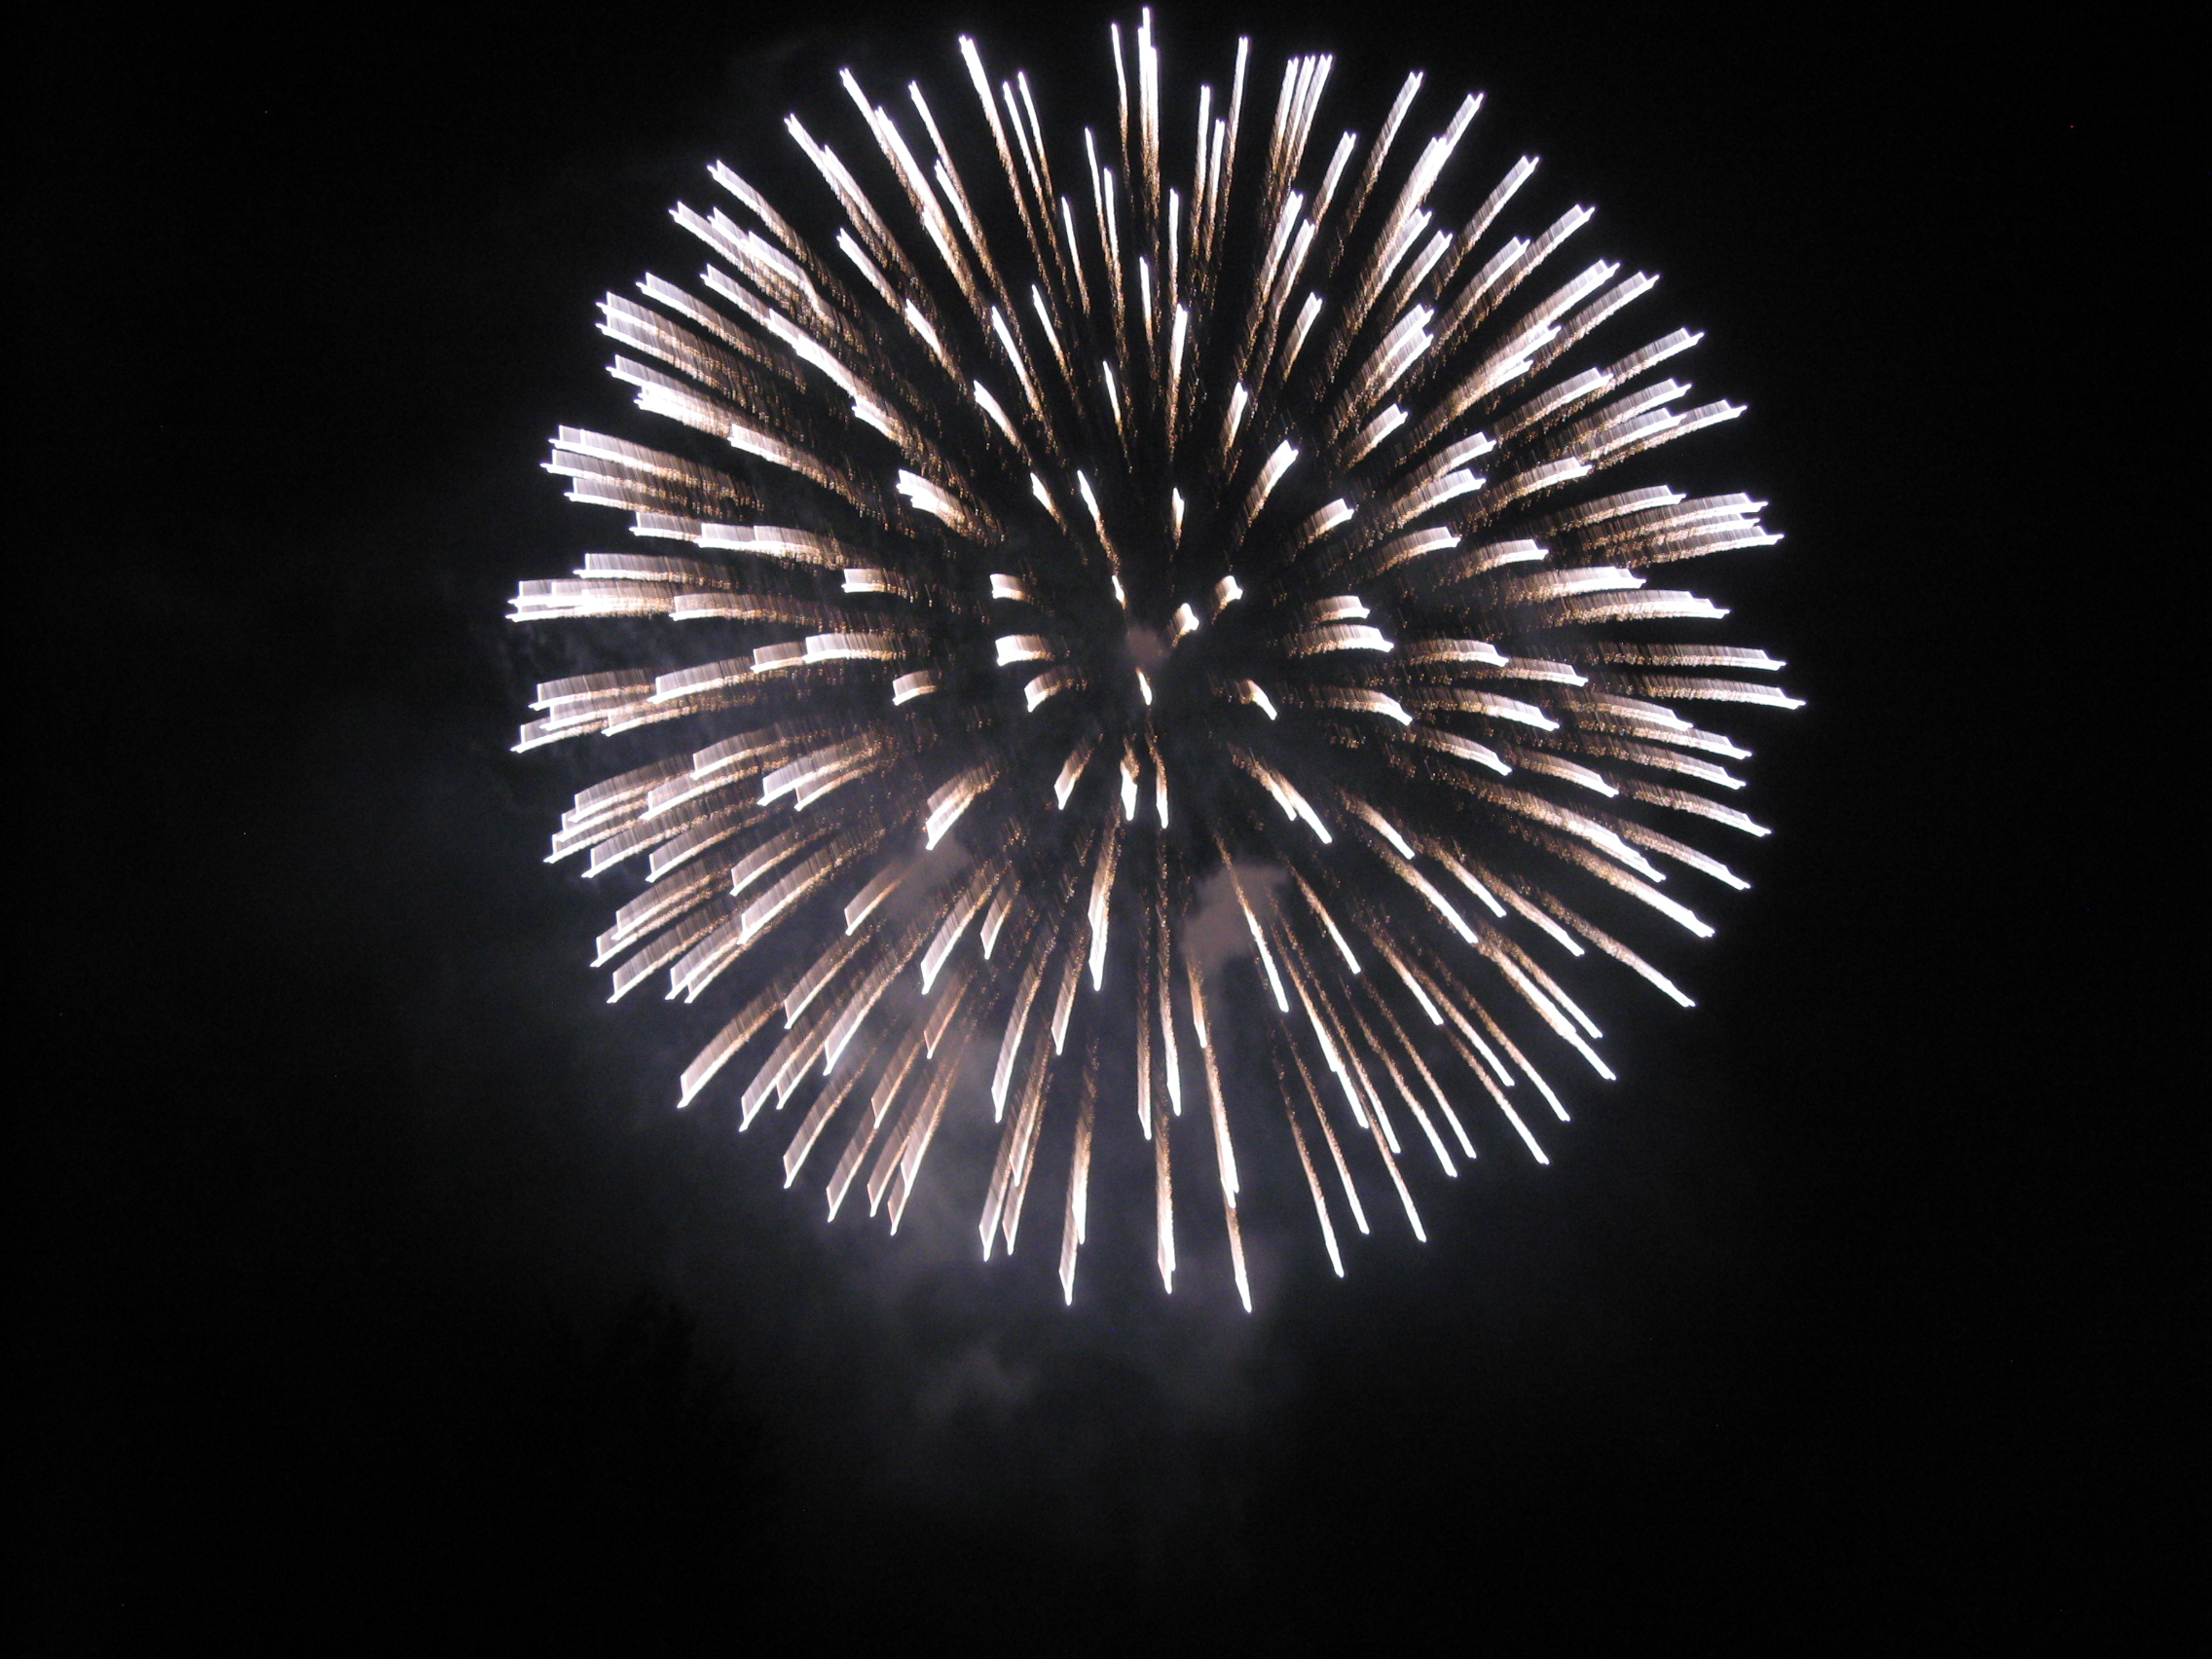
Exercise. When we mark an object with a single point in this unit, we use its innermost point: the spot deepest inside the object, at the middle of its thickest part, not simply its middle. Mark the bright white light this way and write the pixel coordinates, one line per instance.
(1419, 448)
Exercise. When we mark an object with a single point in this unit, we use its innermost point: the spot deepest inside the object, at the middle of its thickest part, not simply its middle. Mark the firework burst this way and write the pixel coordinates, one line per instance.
(1086, 542)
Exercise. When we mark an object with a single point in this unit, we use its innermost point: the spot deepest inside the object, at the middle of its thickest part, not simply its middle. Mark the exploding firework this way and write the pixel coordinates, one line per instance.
(1088, 545)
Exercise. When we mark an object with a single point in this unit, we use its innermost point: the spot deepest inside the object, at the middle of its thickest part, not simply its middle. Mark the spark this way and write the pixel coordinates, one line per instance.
(1275, 472)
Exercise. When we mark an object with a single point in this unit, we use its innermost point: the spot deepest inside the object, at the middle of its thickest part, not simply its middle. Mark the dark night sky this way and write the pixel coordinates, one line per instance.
(366, 1281)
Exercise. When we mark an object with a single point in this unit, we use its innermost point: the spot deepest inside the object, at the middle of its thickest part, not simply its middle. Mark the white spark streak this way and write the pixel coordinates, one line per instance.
(1278, 463)
(1023, 647)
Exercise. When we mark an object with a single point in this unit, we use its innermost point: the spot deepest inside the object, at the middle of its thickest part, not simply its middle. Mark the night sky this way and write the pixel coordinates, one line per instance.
(367, 1285)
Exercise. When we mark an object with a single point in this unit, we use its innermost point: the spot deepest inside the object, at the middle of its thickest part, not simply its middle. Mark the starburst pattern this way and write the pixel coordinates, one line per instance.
(1082, 547)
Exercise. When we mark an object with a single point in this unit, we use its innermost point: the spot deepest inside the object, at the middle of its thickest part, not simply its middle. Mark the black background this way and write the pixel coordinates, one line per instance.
(368, 1285)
